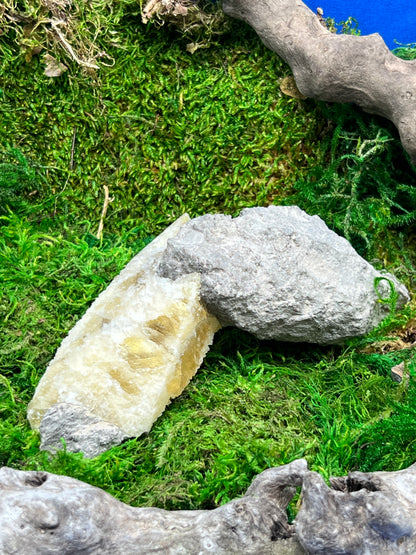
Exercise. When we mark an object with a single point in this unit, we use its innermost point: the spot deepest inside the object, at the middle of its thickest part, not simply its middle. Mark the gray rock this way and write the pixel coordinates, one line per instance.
(41, 514)
(281, 274)
(82, 431)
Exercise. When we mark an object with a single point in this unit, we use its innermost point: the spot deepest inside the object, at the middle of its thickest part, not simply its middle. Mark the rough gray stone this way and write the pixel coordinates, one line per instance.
(82, 431)
(281, 274)
(41, 513)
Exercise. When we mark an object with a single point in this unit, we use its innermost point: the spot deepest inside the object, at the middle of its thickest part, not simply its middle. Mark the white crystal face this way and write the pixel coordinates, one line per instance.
(136, 347)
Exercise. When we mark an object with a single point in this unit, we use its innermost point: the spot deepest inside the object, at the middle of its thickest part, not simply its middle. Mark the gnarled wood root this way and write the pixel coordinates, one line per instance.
(375, 512)
(336, 68)
(41, 513)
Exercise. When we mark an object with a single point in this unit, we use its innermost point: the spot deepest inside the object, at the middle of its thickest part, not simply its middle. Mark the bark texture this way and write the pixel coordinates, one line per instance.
(336, 68)
(42, 514)
(362, 513)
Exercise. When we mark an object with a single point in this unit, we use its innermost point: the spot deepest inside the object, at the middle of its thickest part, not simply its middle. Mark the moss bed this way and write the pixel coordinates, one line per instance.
(169, 132)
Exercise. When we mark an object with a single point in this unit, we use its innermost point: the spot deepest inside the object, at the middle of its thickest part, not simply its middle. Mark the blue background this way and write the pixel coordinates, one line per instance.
(393, 19)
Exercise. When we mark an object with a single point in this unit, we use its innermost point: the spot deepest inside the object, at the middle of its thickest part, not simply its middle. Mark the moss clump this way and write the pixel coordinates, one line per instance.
(167, 132)
(364, 190)
(19, 180)
(70, 30)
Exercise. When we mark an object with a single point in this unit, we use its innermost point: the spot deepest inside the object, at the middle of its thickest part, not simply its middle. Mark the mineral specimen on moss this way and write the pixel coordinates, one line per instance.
(137, 346)
(281, 274)
(83, 431)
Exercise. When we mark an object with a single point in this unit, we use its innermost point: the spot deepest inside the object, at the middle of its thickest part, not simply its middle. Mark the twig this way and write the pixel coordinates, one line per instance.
(57, 195)
(68, 47)
(71, 166)
(74, 136)
(107, 200)
(150, 8)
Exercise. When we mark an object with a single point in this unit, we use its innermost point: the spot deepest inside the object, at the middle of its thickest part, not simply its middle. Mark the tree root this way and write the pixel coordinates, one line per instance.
(336, 68)
(370, 512)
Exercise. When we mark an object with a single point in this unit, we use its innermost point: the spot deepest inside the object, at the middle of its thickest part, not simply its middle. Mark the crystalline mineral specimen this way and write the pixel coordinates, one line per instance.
(136, 347)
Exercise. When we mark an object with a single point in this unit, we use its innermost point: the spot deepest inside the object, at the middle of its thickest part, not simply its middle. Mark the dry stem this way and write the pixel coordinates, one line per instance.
(107, 200)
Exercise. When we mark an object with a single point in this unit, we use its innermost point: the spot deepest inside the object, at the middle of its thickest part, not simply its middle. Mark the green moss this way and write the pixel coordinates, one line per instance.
(389, 442)
(165, 131)
(406, 51)
(365, 188)
(168, 132)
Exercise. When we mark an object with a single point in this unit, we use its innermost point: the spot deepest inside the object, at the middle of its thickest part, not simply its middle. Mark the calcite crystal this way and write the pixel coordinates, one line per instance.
(137, 346)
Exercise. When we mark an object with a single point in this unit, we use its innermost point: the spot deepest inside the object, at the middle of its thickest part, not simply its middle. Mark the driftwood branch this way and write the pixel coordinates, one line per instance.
(43, 513)
(336, 68)
(371, 513)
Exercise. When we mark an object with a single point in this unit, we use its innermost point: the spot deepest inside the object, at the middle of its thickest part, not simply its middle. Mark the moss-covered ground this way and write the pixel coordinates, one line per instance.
(169, 132)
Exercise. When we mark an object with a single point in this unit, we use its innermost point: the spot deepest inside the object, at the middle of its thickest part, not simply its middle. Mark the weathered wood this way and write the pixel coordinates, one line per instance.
(336, 68)
(375, 512)
(41, 513)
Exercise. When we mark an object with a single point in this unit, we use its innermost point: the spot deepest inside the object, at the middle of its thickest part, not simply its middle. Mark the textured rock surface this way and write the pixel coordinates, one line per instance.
(363, 513)
(41, 513)
(81, 429)
(280, 274)
(137, 346)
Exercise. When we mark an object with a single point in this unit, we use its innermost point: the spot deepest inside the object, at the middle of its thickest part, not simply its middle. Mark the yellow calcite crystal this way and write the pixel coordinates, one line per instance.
(136, 347)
